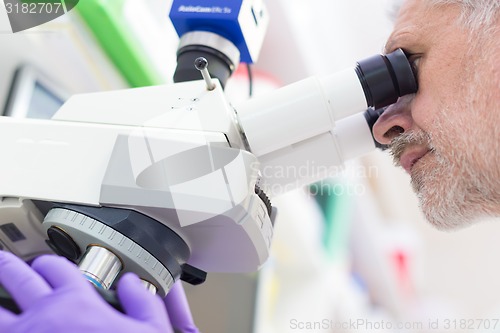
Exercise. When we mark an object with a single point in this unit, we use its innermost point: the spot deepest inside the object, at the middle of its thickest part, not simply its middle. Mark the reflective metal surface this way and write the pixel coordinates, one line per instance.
(149, 286)
(100, 266)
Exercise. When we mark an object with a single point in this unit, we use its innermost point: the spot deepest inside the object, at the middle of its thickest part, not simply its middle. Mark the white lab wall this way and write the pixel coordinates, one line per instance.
(318, 37)
(312, 37)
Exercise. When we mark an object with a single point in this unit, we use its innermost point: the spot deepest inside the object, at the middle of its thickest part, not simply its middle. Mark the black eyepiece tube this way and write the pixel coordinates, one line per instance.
(385, 78)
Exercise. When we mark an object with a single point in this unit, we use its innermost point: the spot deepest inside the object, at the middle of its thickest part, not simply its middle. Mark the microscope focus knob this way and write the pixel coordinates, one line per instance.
(265, 199)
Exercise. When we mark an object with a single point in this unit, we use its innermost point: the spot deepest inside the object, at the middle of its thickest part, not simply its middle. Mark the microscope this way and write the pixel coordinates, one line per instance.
(171, 182)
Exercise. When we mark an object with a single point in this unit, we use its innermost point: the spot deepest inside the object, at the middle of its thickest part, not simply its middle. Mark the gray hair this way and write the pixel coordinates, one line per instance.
(475, 13)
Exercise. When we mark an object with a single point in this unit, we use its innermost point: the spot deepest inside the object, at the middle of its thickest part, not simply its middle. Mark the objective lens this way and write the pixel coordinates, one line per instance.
(149, 286)
(385, 78)
(100, 266)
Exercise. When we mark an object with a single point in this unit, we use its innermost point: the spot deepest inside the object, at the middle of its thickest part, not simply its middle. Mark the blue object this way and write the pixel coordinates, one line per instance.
(217, 16)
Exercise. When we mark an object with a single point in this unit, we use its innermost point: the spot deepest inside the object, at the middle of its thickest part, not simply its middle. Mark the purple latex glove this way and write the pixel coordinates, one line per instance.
(178, 310)
(54, 297)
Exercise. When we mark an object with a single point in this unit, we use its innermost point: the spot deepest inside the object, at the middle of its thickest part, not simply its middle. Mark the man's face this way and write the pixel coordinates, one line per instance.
(447, 135)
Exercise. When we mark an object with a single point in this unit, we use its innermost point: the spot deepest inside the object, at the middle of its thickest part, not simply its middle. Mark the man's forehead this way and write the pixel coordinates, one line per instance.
(400, 6)
(396, 7)
(409, 19)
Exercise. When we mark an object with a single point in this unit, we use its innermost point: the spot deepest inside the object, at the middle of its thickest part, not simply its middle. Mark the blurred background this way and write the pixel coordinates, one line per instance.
(353, 248)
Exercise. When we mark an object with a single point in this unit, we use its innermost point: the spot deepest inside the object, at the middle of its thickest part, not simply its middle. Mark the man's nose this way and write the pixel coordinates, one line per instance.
(395, 120)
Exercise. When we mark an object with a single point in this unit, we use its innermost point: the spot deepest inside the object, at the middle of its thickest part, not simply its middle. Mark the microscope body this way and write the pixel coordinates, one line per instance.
(171, 156)
(170, 181)
(156, 180)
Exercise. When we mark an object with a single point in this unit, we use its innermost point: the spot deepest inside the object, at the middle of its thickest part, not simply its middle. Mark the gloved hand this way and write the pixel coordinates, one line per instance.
(178, 310)
(54, 298)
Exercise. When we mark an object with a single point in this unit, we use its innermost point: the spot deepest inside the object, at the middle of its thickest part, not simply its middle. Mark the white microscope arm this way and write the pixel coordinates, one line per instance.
(164, 152)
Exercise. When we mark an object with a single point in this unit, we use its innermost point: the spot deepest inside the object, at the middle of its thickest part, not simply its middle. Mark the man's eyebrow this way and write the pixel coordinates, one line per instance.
(393, 41)
(403, 36)
(389, 45)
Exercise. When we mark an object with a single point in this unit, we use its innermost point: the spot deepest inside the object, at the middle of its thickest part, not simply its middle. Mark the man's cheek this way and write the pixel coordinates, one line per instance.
(423, 111)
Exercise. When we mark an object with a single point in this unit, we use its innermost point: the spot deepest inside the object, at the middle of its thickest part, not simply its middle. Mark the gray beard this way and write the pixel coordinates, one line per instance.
(452, 195)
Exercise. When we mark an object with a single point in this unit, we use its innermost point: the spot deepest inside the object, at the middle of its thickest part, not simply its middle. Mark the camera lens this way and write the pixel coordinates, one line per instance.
(222, 55)
(220, 66)
(385, 78)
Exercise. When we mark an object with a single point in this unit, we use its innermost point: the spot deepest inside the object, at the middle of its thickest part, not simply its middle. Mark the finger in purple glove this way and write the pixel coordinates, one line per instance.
(23, 284)
(178, 310)
(60, 272)
(139, 303)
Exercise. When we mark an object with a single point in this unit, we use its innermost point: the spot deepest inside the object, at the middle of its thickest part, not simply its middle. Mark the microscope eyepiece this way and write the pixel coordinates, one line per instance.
(403, 71)
(385, 78)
